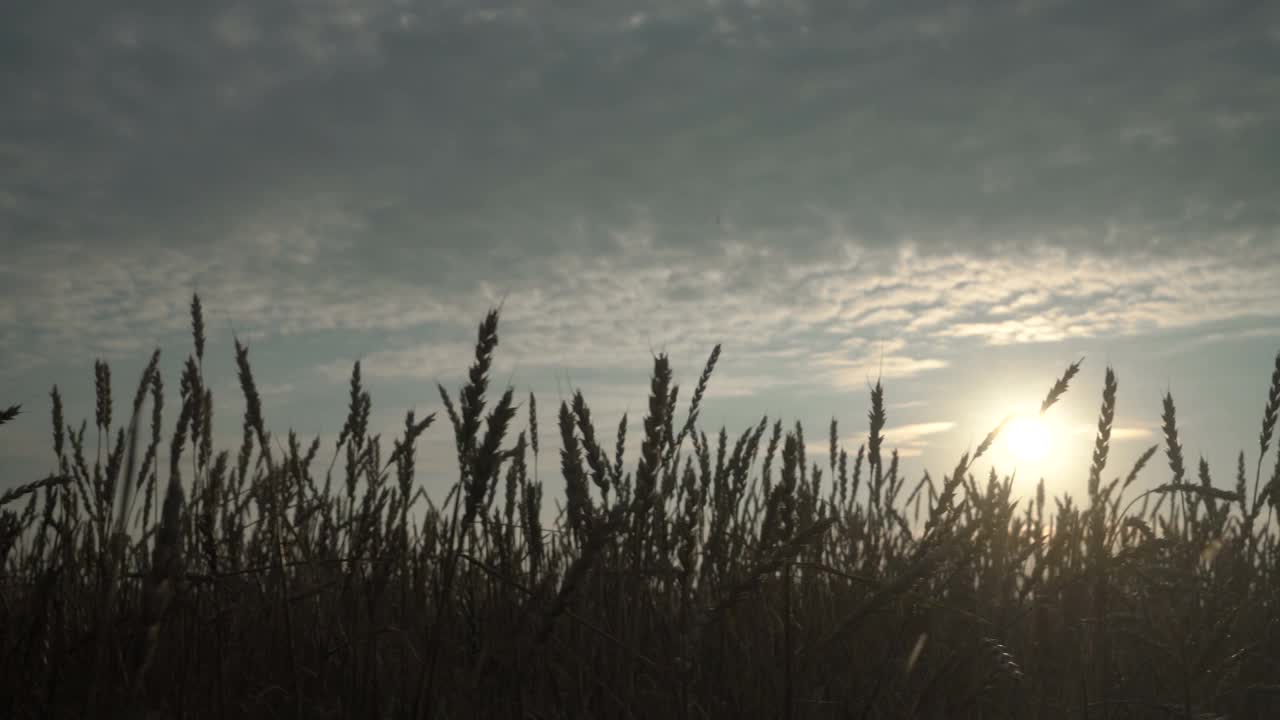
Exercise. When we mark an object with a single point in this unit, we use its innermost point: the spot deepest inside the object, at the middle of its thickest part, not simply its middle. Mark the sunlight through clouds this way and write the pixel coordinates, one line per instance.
(382, 232)
(628, 180)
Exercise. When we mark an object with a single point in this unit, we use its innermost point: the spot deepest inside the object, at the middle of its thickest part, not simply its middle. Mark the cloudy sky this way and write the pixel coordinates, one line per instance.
(962, 197)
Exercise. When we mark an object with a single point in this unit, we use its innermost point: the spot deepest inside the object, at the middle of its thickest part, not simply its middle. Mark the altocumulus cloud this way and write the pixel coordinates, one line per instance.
(833, 189)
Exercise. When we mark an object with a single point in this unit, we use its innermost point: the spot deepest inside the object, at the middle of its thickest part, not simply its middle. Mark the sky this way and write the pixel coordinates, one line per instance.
(958, 198)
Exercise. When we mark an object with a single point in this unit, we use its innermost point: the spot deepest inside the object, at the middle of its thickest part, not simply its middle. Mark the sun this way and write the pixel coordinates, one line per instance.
(1028, 439)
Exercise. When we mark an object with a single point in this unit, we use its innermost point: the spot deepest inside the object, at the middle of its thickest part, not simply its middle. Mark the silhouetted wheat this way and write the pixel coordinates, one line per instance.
(704, 582)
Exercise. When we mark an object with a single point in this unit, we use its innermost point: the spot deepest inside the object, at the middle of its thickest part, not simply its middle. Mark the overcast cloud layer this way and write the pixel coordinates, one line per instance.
(835, 190)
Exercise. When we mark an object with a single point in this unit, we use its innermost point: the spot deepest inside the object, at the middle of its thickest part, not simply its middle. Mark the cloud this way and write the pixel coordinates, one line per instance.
(757, 112)
(1211, 338)
(1131, 433)
(907, 404)
(1118, 433)
(909, 440)
(831, 190)
(834, 191)
(848, 375)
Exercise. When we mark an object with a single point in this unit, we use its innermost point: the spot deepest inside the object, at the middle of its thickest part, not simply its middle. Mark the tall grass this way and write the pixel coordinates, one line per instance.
(722, 576)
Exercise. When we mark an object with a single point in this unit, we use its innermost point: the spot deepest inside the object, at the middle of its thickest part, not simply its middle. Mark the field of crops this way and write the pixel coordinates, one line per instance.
(725, 574)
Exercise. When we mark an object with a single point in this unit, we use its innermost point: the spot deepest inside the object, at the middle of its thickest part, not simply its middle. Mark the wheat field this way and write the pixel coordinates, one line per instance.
(723, 575)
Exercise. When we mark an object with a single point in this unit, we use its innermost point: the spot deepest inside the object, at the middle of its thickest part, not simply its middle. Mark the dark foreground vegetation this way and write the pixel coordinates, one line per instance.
(722, 576)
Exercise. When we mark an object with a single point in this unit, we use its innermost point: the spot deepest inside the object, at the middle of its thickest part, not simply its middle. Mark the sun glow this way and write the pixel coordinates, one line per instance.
(1028, 439)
